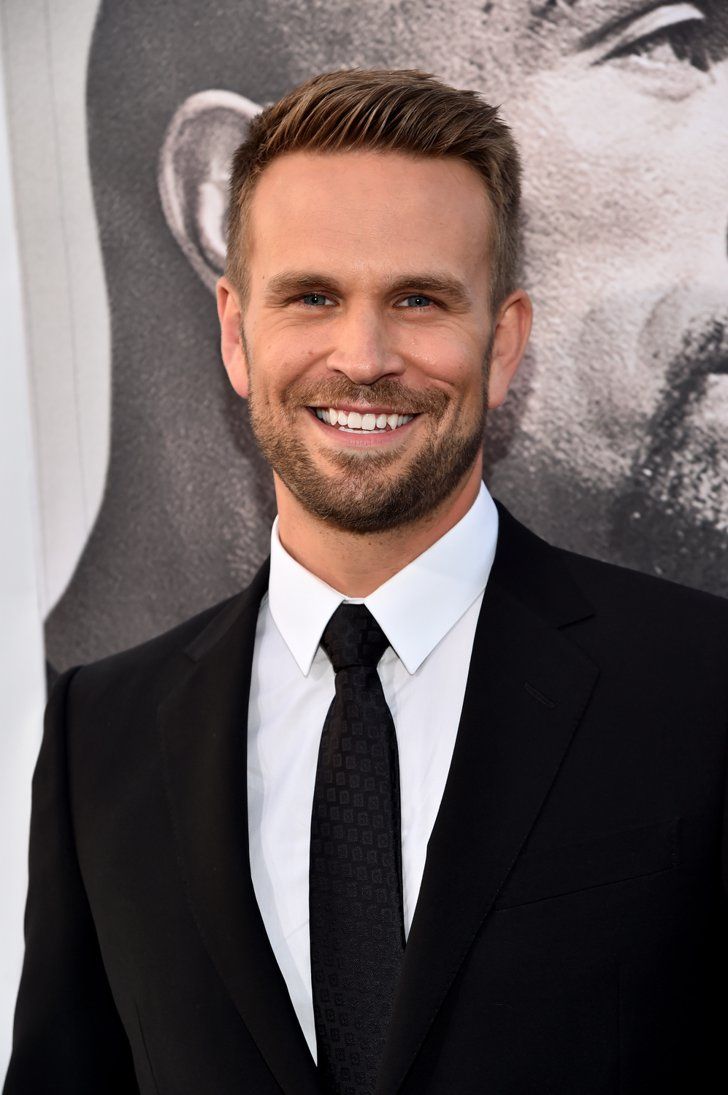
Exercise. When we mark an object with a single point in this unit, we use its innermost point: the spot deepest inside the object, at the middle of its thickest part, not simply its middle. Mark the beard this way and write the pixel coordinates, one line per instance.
(668, 514)
(368, 491)
(674, 511)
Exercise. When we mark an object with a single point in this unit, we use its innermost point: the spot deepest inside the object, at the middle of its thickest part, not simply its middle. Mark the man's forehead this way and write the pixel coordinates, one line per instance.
(303, 180)
(310, 206)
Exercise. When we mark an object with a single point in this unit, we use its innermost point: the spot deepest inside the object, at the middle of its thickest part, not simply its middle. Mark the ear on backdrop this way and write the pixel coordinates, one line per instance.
(193, 174)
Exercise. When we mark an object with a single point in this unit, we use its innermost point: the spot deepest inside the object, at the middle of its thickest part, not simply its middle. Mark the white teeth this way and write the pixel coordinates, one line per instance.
(353, 420)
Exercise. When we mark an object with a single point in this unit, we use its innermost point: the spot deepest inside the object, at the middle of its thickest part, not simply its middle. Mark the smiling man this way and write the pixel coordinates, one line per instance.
(366, 354)
(432, 806)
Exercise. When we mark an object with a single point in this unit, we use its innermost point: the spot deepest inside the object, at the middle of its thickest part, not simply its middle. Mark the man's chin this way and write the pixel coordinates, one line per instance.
(384, 492)
(355, 511)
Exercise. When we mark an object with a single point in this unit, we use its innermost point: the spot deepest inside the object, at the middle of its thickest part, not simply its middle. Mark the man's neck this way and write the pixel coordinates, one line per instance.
(358, 563)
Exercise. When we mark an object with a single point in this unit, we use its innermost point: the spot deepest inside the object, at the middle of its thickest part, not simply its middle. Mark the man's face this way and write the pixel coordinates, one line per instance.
(622, 125)
(366, 331)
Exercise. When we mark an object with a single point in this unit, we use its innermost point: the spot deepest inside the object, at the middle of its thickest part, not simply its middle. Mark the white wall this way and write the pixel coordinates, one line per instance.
(45, 57)
(21, 643)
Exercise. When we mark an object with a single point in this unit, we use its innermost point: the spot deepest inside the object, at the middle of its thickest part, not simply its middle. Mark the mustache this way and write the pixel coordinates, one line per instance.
(385, 392)
(703, 352)
(704, 349)
(671, 452)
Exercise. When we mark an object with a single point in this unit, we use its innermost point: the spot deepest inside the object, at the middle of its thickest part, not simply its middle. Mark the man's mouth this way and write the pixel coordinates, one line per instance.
(374, 421)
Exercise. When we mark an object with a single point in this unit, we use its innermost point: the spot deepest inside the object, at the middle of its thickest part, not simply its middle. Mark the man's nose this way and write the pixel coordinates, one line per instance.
(364, 349)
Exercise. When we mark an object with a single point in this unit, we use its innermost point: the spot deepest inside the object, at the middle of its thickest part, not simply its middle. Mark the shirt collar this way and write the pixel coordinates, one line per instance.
(415, 608)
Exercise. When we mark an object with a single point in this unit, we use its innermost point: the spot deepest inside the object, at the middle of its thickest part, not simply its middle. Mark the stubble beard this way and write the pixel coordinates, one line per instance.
(368, 491)
(673, 515)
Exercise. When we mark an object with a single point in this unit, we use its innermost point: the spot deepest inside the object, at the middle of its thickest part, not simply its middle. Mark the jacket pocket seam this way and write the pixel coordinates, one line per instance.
(555, 871)
(585, 889)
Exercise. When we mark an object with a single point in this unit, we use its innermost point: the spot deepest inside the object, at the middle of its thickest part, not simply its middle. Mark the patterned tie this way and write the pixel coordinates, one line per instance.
(355, 884)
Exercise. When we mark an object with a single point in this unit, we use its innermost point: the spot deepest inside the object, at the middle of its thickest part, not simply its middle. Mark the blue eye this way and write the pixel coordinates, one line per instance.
(417, 300)
(314, 300)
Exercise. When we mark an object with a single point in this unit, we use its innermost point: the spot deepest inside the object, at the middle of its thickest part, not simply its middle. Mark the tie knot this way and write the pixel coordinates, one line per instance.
(353, 637)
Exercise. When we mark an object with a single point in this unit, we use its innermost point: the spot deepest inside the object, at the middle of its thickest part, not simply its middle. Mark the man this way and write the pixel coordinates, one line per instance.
(619, 112)
(484, 776)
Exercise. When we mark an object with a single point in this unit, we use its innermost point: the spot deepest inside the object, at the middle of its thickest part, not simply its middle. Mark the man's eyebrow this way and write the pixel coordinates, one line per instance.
(428, 282)
(291, 283)
(294, 282)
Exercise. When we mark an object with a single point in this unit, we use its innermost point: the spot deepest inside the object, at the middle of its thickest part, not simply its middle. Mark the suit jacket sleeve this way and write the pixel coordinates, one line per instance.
(68, 1036)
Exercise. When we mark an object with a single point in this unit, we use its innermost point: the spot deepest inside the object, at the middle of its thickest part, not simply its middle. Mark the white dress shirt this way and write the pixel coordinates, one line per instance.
(428, 611)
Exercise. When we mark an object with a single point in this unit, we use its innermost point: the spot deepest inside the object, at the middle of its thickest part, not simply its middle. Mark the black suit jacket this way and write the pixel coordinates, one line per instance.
(570, 930)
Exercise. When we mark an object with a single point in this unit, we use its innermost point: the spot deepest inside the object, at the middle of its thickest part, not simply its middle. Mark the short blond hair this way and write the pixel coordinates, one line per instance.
(387, 111)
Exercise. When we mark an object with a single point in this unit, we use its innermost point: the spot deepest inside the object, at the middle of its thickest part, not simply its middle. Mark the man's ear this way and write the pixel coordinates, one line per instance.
(232, 347)
(193, 175)
(512, 328)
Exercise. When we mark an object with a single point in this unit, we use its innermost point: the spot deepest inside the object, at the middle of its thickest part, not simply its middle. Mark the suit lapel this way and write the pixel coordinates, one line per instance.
(203, 725)
(527, 688)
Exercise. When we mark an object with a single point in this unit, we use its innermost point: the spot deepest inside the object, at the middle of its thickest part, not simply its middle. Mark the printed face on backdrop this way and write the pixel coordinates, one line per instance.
(629, 384)
(613, 438)
(369, 349)
(614, 442)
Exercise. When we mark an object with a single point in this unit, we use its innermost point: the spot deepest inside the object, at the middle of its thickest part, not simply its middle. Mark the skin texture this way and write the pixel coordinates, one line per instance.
(369, 290)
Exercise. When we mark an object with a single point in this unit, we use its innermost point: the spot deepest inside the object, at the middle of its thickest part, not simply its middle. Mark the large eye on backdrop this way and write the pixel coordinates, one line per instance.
(669, 49)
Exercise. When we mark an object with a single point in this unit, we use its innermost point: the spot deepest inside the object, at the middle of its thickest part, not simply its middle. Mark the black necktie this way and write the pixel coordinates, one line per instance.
(355, 882)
